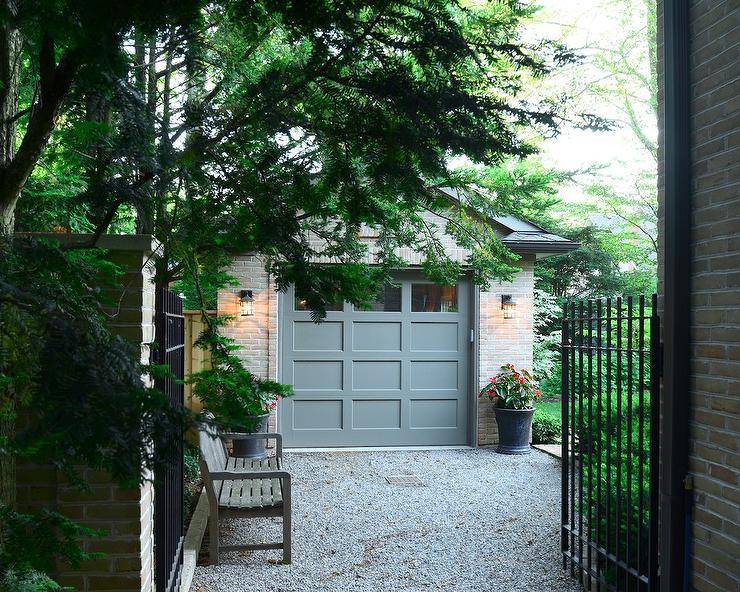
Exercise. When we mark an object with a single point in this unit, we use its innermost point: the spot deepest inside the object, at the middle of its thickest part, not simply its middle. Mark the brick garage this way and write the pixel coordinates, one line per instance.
(713, 373)
(497, 340)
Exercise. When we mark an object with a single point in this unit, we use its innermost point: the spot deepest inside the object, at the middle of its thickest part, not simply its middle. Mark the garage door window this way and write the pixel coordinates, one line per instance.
(389, 300)
(301, 304)
(433, 298)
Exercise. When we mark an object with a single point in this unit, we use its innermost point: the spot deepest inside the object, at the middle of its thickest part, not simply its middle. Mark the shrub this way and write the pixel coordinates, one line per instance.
(191, 477)
(546, 428)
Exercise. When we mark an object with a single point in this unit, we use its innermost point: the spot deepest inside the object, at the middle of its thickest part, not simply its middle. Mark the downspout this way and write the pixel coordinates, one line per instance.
(675, 485)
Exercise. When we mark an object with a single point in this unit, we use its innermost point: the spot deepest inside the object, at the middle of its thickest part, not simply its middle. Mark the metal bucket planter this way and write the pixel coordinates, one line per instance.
(253, 448)
(514, 428)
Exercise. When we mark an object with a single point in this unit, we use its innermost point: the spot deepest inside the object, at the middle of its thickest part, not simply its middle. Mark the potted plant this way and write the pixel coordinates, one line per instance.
(513, 393)
(239, 401)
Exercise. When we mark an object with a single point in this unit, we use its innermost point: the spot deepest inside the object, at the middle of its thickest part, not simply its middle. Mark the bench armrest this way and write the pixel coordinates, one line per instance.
(278, 437)
(247, 475)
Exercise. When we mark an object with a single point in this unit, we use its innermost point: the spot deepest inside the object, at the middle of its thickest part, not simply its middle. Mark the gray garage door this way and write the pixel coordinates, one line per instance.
(393, 376)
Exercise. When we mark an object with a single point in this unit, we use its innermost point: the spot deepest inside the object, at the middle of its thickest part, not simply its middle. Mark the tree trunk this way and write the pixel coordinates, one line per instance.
(10, 58)
(55, 81)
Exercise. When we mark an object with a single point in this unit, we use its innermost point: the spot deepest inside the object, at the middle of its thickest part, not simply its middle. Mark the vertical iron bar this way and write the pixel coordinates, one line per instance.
(168, 516)
(629, 559)
(618, 379)
(564, 448)
(590, 443)
(599, 436)
(655, 358)
(581, 313)
(573, 443)
(641, 441)
(609, 519)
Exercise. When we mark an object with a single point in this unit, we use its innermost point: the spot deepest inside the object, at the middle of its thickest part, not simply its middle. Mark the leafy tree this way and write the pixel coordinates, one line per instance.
(618, 75)
(71, 394)
(280, 128)
(50, 47)
(271, 149)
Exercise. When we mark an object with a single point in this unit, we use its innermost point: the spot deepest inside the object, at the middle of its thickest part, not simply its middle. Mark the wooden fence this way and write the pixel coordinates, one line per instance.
(196, 359)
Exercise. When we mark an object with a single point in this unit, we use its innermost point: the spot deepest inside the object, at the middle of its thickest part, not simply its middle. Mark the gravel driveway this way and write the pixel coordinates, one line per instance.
(481, 521)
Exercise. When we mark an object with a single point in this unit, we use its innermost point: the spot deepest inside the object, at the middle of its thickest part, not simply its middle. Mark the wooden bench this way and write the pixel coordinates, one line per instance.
(245, 488)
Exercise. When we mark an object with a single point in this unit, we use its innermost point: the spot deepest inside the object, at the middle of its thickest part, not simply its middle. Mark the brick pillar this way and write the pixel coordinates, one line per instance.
(255, 335)
(503, 341)
(127, 516)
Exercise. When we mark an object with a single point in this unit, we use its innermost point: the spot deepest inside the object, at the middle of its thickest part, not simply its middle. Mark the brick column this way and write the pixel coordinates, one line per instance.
(503, 341)
(127, 516)
(256, 335)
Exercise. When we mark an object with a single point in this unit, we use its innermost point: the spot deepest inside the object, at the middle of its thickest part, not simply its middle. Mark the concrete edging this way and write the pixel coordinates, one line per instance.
(193, 540)
(551, 449)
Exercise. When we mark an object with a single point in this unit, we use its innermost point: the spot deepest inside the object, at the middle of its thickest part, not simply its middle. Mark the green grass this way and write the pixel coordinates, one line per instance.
(551, 408)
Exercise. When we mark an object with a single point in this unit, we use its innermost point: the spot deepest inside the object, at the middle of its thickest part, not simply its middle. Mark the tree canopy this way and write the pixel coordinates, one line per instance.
(274, 127)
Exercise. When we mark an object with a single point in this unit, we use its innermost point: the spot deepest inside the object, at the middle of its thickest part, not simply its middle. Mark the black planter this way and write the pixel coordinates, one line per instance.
(514, 428)
(253, 448)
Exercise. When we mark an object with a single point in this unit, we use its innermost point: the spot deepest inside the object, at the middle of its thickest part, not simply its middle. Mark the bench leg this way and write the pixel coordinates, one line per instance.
(286, 522)
(213, 535)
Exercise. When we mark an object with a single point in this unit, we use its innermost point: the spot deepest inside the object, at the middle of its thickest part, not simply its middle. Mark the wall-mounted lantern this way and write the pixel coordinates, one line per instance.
(507, 305)
(247, 303)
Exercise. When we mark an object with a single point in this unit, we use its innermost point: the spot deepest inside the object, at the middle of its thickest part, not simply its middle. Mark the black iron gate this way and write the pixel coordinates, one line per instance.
(168, 490)
(610, 373)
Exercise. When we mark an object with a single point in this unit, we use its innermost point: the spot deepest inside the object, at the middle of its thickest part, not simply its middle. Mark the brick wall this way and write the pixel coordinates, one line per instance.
(503, 341)
(125, 515)
(715, 319)
(255, 335)
(500, 340)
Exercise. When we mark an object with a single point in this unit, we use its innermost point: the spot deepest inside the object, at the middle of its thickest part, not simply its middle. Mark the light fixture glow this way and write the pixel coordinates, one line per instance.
(247, 303)
(508, 304)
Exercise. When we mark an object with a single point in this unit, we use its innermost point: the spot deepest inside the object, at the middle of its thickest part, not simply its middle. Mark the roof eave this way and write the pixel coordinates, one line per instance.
(539, 248)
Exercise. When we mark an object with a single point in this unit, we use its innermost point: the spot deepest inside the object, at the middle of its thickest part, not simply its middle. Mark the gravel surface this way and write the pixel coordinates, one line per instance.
(481, 521)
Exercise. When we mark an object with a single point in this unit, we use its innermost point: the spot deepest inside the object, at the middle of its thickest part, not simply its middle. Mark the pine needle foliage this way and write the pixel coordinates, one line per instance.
(282, 128)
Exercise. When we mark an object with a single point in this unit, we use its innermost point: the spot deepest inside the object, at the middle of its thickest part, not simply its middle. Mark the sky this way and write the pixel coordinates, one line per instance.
(593, 27)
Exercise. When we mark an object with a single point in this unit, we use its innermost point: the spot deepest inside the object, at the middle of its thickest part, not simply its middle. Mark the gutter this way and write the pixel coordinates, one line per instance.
(675, 485)
(541, 247)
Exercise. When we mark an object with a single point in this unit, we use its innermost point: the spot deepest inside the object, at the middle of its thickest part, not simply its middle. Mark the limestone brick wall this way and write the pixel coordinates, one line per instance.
(503, 341)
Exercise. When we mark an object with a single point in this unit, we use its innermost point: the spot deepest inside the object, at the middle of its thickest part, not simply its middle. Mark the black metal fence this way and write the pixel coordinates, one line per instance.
(610, 373)
(168, 490)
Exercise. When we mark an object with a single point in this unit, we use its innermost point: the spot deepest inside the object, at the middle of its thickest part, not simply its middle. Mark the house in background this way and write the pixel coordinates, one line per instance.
(407, 372)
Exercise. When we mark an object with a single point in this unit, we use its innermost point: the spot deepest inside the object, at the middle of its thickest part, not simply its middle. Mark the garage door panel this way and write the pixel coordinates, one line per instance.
(433, 413)
(434, 375)
(378, 378)
(311, 414)
(369, 414)
(435, 336)
(321, 375)
(372, 375)
(376, 336)
(310, 336)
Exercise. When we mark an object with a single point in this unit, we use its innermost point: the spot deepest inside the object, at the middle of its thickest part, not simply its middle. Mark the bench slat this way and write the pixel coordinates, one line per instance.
(251, 493)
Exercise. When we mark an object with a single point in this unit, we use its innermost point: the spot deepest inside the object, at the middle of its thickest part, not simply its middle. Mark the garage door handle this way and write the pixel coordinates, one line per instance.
(472, 336)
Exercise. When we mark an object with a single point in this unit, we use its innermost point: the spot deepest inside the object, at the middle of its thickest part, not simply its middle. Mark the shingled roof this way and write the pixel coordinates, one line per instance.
(524, 237)
(521, 236)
